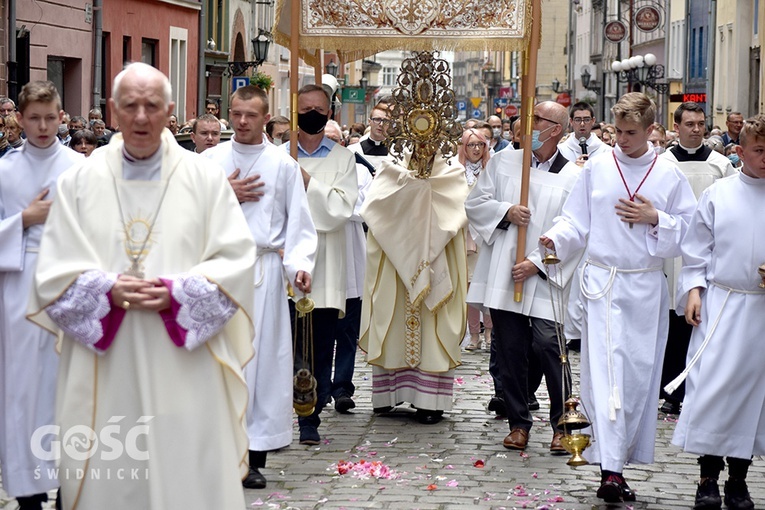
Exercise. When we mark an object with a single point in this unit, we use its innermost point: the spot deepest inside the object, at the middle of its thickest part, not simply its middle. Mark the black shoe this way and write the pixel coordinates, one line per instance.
(254, 480)
(344, 403)
(497, 406)
(309, 435)
(670, 407)
(627, 492)
(427, 417)
(708, 496)
(533, 404)
(610, 489)
(737, 495)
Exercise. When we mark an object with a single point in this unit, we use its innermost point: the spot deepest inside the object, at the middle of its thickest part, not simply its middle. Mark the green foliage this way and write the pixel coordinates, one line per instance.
(262, 80)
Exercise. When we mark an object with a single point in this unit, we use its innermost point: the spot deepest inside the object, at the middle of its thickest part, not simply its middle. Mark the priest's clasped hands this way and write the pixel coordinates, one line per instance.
(133, 293)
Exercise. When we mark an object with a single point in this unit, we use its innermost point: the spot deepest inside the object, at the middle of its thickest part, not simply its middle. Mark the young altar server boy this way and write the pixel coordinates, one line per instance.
(721, 295)
(634, 208)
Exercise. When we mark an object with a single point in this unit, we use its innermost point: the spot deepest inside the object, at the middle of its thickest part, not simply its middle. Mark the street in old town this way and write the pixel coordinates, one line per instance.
(393, 462)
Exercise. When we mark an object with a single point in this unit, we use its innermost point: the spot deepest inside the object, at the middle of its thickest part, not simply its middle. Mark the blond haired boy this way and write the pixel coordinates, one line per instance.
(631, 209)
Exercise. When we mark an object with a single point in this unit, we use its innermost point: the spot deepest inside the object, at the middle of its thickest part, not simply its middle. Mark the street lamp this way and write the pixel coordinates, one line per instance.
(260, 45)
(363, 82)
(331, 68)
(641, 70)
(556, 85)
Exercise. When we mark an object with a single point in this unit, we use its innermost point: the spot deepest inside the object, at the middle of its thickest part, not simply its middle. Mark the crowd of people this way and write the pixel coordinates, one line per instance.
(167, 280)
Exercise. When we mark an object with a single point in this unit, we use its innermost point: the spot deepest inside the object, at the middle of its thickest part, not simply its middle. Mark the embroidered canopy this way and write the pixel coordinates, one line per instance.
(358, 28)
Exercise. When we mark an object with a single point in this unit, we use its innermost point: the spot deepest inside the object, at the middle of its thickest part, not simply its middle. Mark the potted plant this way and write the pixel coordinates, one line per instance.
(262, 80)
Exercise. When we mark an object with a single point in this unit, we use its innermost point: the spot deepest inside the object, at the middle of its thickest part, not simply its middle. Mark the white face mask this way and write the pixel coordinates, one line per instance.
(496, 132)
(277, 141)
(658, 150)
(506, 135)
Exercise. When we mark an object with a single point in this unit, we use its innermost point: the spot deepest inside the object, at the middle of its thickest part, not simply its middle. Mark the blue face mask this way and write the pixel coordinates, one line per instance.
(734, 159)
(536, 144)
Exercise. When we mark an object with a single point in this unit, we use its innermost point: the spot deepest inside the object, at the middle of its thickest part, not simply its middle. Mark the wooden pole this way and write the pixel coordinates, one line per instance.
(294, 78)
(528, 92)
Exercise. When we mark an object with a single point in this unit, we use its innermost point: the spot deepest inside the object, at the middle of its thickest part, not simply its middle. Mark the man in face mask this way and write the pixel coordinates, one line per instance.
(497, 142)
(275, 129)
(329, 177)
(702, 166)
(524, 333)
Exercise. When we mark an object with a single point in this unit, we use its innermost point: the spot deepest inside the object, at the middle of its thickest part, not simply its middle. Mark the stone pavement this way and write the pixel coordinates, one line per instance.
(457, 464)
(439, 466)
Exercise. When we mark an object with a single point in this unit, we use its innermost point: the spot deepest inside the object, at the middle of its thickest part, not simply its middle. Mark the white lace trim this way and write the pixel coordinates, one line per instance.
(204, 308)
(80, 310)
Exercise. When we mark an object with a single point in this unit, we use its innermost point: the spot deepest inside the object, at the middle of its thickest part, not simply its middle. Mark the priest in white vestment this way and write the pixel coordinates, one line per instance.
(145, 273)
(527, 329)
(631, 209)
(702, 166)
(413, 312)
(28, 362)
(720, 293)
(329, 176)
(280, 223)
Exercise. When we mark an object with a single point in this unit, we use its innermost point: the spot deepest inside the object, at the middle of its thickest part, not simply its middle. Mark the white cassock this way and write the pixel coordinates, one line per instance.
(332, 193)
(700, 175)
(28, 362)
(625, 322)
(571, 149)
(175, 411)
(725, 391)
(279, 220)
(497, 189)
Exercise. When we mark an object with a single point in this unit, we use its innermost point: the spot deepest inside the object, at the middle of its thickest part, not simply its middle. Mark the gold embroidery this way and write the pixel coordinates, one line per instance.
(413, 334)
(420, 268)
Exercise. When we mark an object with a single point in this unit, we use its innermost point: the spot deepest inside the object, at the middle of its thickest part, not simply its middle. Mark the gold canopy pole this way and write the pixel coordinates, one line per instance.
(294, 62)
(528, 86)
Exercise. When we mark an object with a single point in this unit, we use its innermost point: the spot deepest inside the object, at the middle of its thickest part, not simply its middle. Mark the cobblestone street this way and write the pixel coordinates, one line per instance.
(457, 464)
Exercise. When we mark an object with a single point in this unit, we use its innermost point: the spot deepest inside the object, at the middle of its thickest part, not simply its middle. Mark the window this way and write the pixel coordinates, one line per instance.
(149, 52)
(692, 60)
(389, 76)
(126, 52)
(700, 54)
(178, 69)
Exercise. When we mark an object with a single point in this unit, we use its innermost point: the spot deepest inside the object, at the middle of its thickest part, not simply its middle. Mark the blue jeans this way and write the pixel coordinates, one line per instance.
(324, 323)
(347, 340)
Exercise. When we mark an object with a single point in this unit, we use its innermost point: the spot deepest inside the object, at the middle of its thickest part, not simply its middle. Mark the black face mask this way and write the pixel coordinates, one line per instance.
(73, 131)
(312, 122)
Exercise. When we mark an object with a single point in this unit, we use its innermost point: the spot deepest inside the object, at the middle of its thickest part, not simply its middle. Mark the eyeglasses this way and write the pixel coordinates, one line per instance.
(379, 120)
(537, 118)
(582, 120)
(476, 145)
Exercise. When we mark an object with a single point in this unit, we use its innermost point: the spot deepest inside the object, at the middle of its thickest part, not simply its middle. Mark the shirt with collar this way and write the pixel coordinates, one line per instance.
(545, 165)
(322, 151)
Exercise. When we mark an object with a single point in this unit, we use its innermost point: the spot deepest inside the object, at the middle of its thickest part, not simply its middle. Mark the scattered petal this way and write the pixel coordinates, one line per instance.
(432, 487)
(452, 483)
(534, 475)
(479, 463)
(257, 502)
(556, 499)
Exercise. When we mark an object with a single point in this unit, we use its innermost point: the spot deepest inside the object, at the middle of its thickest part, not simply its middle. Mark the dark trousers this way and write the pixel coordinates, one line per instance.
(678, 339)
(347, 339)
(324, 323)
(535, 372)
(516, 336)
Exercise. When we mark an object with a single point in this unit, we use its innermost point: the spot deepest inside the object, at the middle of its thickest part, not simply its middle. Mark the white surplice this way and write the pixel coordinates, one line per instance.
(355, 239)
(28, 362)
(571, 149)
(279, 220)
(700, 175)
(178, 413)
(725, 391)
(624, 330)
(332, 193)
(497, 189)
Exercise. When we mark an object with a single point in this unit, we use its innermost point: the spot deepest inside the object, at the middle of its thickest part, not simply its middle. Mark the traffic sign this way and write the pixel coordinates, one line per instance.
(239, 82)
(500, 102)
(354, 95)
(511, 110)
(564, 98)
(476, 101)
(461, 105)
(477, 113)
